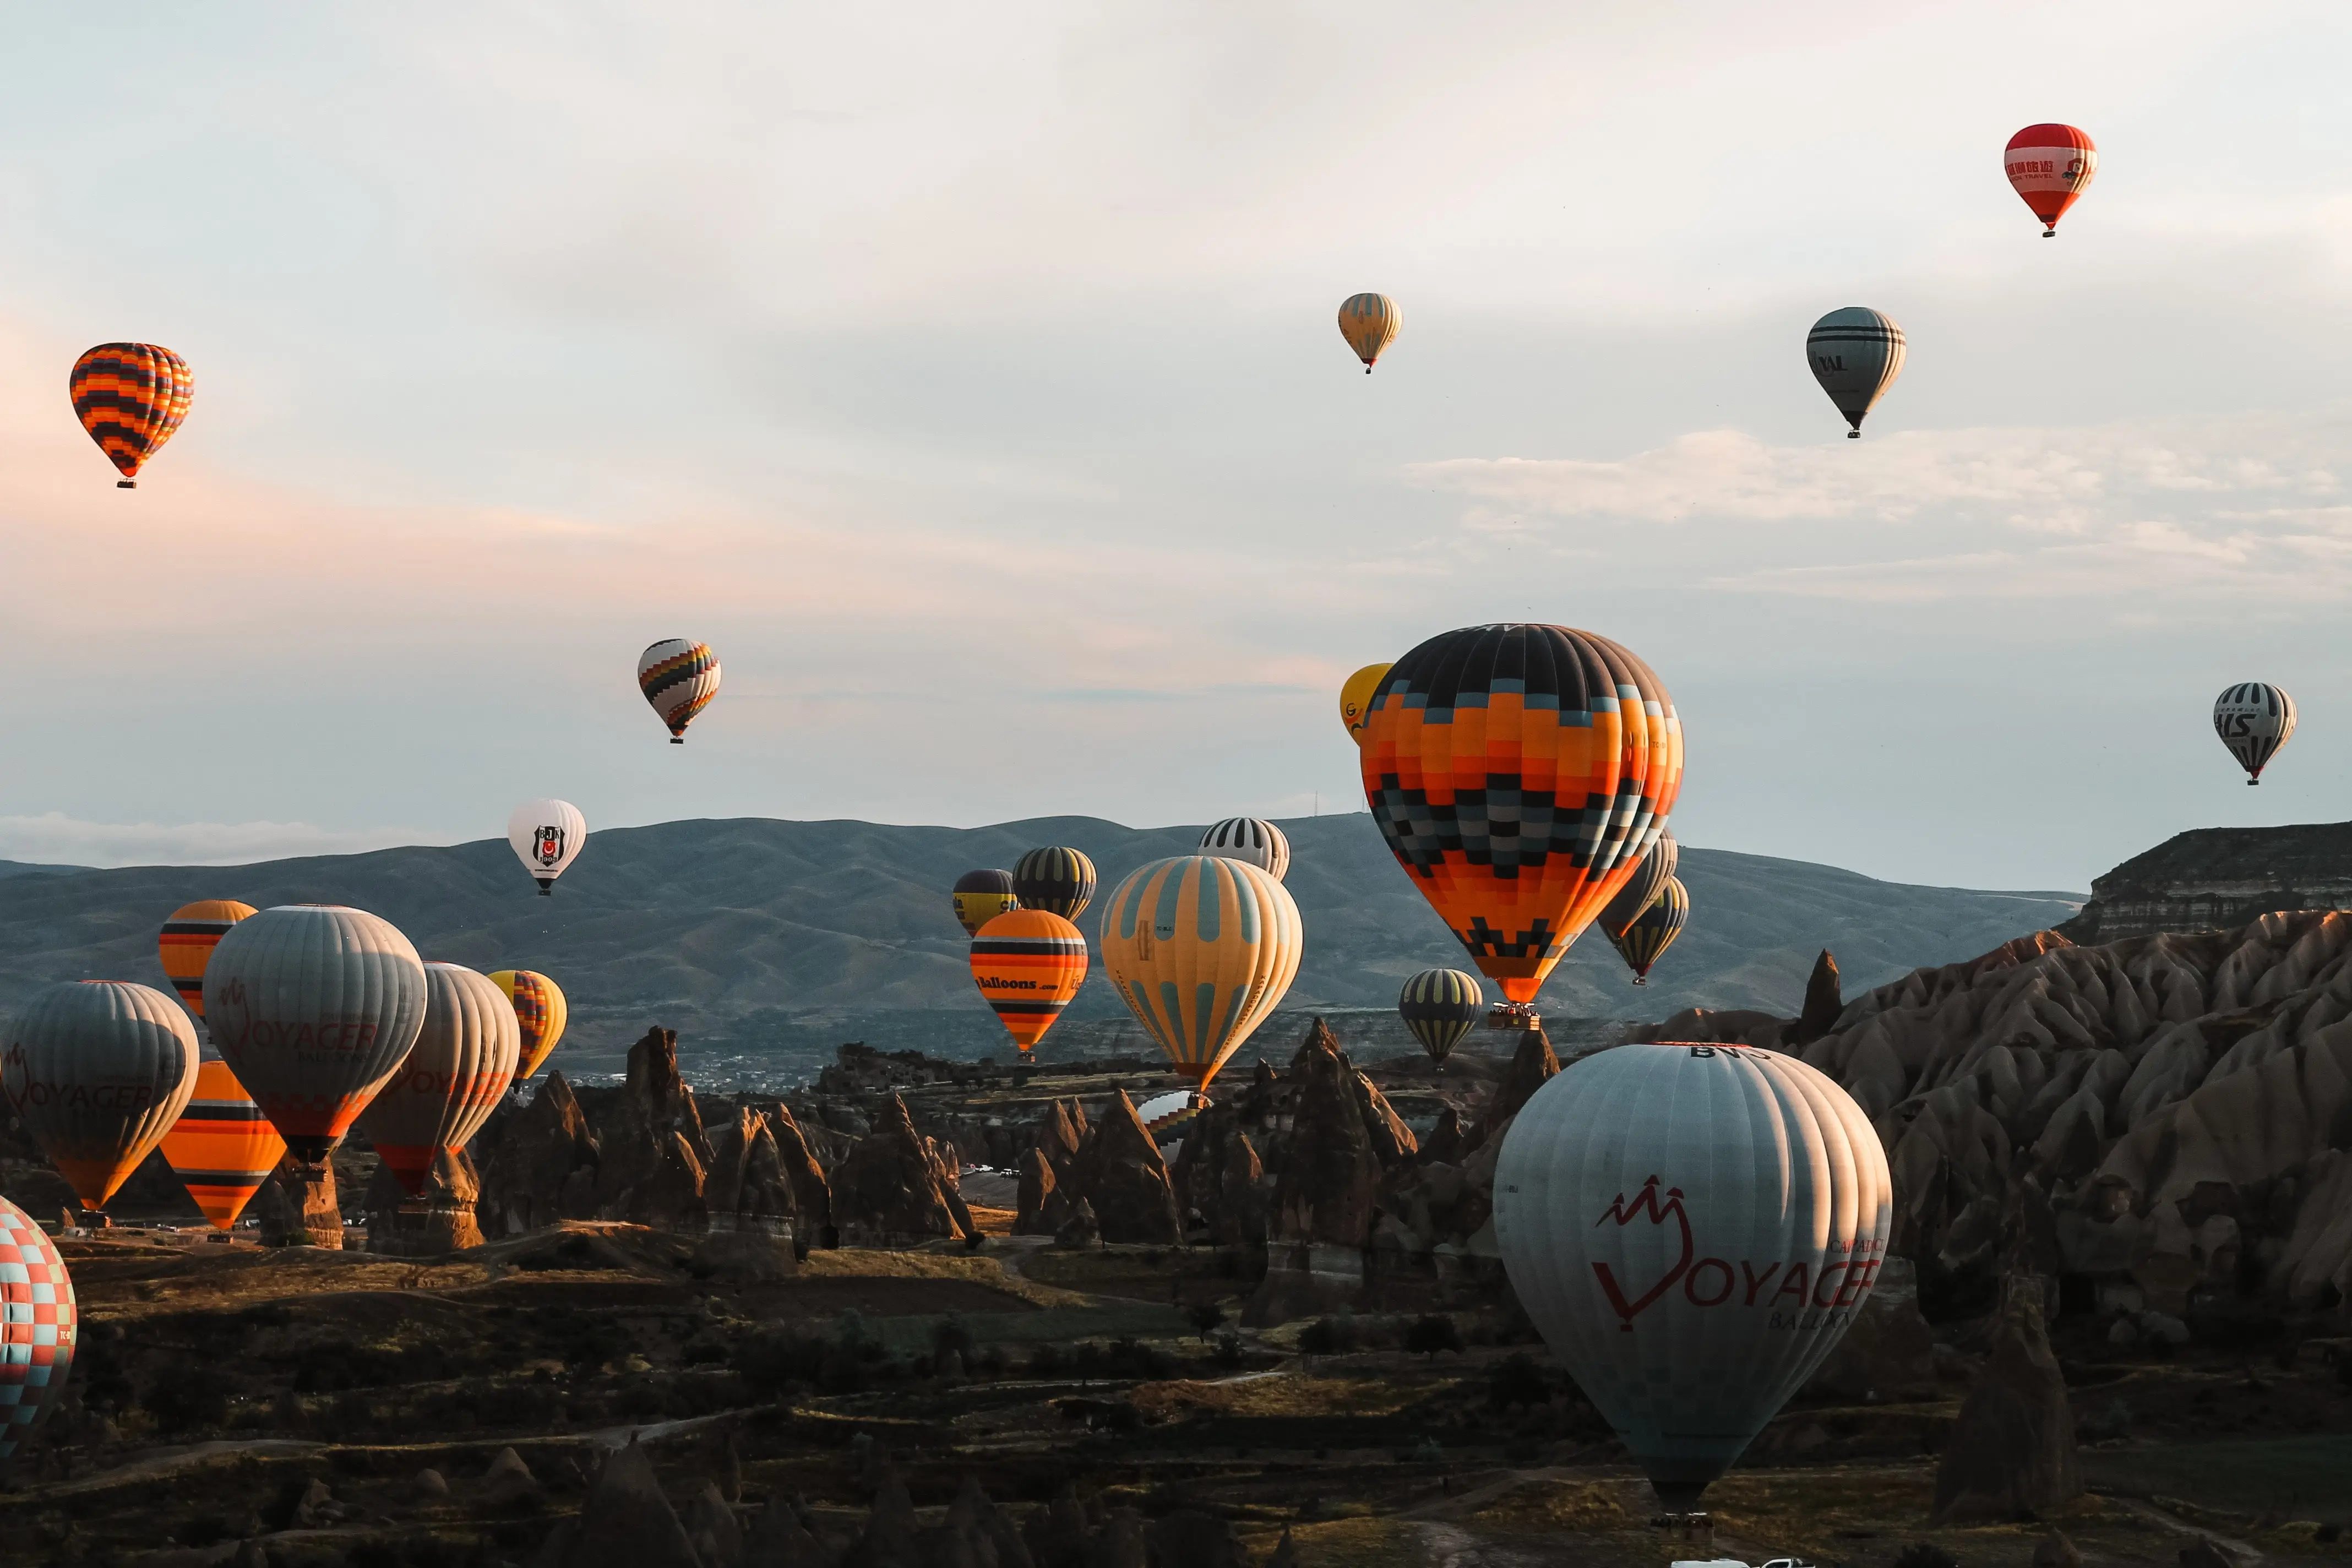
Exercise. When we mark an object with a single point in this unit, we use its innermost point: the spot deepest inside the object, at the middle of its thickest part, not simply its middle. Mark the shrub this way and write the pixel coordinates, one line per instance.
(1329, 1336)
(195, 1395)
(1516, 1379)
(1207, 1317)
(951, 1333)
(1228, 1352)
(1925, 1554)
(1046, 1361)
(1432, 1334)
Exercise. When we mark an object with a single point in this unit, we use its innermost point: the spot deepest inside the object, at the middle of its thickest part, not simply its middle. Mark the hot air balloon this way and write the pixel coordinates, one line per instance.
(1059, 881)
(1165, 1117)
(540, 1013)
(1369, 324)
(1650, 879)
(36, 1299)
(2253, 720)
(1439, 1005)
(187, 944)
(2049, 165)
(1519, 773)
(1692, 1228)
(1653, 931)
(982, 896)
(1253, 839)
(222, 1148)
(1028, 963)
(1355, 697)
(99, 1070)
(130, 397)
(1857, 354)
(1202, 950)
(463, 1062)
(679, 678)
(547, 836)
(313, 1006)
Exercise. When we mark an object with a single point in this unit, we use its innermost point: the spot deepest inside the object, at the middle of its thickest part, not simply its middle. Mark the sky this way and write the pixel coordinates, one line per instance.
(968, 377)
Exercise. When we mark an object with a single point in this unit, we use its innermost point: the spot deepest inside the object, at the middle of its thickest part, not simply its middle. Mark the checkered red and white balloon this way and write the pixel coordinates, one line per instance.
(38, 1325)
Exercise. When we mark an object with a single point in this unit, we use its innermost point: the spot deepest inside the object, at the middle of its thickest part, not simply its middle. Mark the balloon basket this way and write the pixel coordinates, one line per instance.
(126, 484)
(1691, 1534)
(1514, 1015)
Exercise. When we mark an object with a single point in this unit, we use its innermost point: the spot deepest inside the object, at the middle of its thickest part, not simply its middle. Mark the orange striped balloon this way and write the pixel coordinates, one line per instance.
(539, 1009)
(130, 397)
(222, 1148)
(1028, 963)
(187, 944)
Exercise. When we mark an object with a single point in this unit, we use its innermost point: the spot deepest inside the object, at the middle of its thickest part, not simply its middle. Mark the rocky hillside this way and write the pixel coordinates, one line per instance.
(2166, 1119)
(2217, 878)
(756, 938)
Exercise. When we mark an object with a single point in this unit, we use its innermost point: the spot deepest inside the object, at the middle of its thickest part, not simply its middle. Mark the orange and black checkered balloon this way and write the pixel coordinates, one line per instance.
(130, 397)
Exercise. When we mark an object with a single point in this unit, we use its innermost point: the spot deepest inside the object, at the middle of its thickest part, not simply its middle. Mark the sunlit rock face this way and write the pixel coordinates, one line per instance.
(2216, 879)
(2170, 1114)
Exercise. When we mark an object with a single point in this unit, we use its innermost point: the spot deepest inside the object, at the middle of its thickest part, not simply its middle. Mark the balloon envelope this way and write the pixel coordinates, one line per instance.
(1519, 773)
(130, 397)
(547, 836)
(1166, 1116)
(1649, 880)
(2254, 719)
(1369, 324)
(981, 896)
(1202, 950)
(1355, 697)
(99, 1070)
(222, 1148)
(1057, 879)
(2049, 166)
(679, 678)
(187, 943)
(1855, 355)
(1653, 931)
(313, 1006)
(36, 1299)
(1692, 1228)
(450, 1081)
(1028, 963)
(1251, 839)
(1439, 1005)
(540, 1013)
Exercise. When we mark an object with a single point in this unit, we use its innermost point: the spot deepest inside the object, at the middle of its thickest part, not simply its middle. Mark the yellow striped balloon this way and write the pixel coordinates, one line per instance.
(222, 1148)
(1654, 930)
(1057, 879)
(1356, 698)
(1203, 949)
(187, 944)
(540, 1011)
(1369, 324)
(1439, 1005)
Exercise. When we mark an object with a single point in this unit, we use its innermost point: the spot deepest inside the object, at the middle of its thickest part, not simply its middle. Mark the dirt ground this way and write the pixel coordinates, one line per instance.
(217, 1384)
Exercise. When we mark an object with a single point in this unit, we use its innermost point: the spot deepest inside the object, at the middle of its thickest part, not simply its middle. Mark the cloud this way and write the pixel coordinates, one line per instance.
(57, 839)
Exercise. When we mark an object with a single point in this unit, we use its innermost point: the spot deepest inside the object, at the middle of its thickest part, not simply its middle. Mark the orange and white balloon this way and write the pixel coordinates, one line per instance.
(2049, 166)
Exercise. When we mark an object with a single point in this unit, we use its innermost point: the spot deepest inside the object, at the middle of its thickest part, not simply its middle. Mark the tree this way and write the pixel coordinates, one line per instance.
(1207, 1318)
(1431, 1334)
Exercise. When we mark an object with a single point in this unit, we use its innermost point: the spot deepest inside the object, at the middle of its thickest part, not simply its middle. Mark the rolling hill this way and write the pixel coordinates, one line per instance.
(766, 942)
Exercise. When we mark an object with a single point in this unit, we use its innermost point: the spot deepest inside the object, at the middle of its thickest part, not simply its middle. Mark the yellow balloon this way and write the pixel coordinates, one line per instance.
(1356, 698)
(1203, 949)
(1369, 324)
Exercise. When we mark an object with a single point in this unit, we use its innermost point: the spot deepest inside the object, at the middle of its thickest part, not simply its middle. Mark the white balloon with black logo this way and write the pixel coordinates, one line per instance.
(2253, 720)
(1692, 1229)
(547, 836)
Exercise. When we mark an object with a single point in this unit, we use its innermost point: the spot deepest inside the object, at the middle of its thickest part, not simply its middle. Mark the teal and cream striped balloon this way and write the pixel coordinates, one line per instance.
(1654, 930)
(1202, 950)
(1439, 1005)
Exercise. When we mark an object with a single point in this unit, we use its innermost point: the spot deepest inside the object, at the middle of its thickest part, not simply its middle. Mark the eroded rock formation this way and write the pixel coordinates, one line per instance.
(1119, 1172)
(897, 1186)
(538, 1164)
(2011, 1452)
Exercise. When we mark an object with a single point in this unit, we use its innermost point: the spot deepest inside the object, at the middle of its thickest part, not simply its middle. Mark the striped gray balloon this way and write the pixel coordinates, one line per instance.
(461, 1067)
(99, 1070)
(1692, 1228)
(1857, 354)
(313, 1006)
(2253, 720)
(1650, 879)
(1252, 840)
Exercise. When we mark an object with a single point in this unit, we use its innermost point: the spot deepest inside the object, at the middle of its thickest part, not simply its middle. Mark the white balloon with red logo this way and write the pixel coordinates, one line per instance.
(546, 837)
(1692, 1229)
